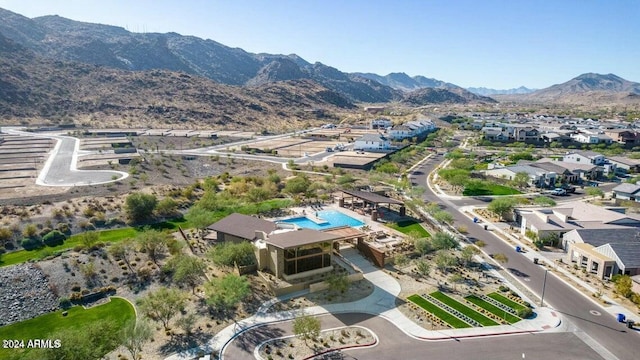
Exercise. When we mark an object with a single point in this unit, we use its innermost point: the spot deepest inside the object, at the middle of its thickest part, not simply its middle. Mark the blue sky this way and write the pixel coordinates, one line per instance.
(491, 43)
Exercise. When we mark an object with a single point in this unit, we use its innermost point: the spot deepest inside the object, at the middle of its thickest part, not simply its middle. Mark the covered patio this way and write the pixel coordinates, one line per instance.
(366, 202)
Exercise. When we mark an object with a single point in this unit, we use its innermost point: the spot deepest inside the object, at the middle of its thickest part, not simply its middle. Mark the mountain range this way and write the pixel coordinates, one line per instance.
(61, 68)
(68, 40)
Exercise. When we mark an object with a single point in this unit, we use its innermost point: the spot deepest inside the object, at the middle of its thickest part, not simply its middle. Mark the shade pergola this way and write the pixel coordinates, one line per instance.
(374, 200)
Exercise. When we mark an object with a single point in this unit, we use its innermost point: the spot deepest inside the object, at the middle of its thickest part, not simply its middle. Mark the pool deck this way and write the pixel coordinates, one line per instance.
(374, 226)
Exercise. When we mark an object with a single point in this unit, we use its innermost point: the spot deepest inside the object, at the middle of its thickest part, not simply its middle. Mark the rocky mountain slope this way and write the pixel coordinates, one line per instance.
(67, 40)
(428, 96)
(589, 88)
(34, 87)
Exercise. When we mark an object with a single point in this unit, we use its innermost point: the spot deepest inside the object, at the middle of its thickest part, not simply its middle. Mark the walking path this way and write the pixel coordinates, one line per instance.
(382, 302)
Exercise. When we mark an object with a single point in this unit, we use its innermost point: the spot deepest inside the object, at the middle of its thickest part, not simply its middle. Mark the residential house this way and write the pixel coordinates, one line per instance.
(627, 137)
(494, 133)
(526, 134)
(627, 192)
(605, 252)
(381, 123)
(573, 215)
(537, 177)
(625, 164)
(372, 142)
(585, 137)
(585, 157)
(556, 172)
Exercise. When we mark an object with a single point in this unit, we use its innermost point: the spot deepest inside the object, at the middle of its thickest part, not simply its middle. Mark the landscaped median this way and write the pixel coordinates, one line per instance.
(510, 318)
(483, 320)
(441, 314)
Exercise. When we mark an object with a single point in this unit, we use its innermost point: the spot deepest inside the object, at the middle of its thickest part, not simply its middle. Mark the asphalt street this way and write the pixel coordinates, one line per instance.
(588, 317)
(394, 344)
(60, 168)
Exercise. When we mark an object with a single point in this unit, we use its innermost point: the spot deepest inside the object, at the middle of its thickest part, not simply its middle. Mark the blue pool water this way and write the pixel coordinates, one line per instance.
(333, 219)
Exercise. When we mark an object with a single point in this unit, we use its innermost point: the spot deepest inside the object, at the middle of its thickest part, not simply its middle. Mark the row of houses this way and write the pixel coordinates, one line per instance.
(573, 167)
(604, 241)
(383, 141)
(507, 132)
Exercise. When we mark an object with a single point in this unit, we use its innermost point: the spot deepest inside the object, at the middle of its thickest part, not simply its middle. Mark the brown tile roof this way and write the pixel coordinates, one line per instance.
(242, 226)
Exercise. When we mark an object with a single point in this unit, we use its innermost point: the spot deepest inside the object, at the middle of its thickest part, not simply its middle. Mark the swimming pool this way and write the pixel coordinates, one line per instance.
(333, 219)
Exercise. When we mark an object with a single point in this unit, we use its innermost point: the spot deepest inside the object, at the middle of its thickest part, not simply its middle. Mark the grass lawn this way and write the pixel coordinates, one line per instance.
(505, 300)
(42, 326)
(510, 318)
(408, 227)
(483, 320)
(438, 312)
(490, 189)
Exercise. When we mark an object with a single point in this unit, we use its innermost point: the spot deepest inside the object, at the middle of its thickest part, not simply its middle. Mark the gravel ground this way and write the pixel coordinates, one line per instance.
(24, 293)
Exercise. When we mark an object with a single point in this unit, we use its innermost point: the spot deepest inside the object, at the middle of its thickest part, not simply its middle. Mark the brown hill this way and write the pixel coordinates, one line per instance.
(32, 87)
(427, 96)
(587, 90)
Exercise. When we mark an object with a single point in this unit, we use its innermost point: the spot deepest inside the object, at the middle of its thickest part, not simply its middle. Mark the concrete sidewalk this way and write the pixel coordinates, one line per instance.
(613, 308)
(381, 302)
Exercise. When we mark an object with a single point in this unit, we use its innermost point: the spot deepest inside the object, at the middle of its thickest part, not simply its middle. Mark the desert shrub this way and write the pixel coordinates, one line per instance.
(31, 243)
(54, 238)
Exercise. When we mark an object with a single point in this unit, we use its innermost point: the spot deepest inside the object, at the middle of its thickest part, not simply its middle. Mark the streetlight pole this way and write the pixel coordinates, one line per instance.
(544, 285)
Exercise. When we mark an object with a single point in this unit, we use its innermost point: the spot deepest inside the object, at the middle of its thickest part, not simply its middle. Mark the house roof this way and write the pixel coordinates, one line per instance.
(625, 160)
(527, 169)
(588, 248)
(627, 188)
(550, 166)
(296, 238)
(372, 137)
(242, 226)
(578, 215)
(587, 153)
(575, 166)
(625, 242)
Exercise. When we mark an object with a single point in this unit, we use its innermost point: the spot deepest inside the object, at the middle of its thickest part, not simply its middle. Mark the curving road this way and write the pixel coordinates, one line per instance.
(611, 339)
(394, 344)
(60, 168)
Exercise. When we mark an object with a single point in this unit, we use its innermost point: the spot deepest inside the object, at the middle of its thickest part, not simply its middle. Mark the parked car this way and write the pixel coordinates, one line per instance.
(558, 192)
(329, 149)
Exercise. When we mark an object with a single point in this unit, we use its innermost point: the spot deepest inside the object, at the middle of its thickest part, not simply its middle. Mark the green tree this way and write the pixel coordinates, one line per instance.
(524, 155)
(623, 285)
(544, 201)
(468, 253)
(306, 327)
(89, 239)
(6, 236)
(139, 207)
(443, 216)
(338, 283)
(230, 254)
(54, 238)
(187, 323)
(186, 270)
(520, 180)
(297, 185)
(423, 268)
(154, 243)
(443, 241)
(162, 305)
(121, 251)
(199, 217)
(594, 191)
(224, 293)
(502, 207)
(444, 261)
(456, 279)
(134, 336)
(423, 246)
(167, 208)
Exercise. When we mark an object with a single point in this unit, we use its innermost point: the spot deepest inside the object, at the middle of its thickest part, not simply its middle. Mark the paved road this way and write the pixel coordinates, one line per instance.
(623, 343)
(60, 168)
(394, 344)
